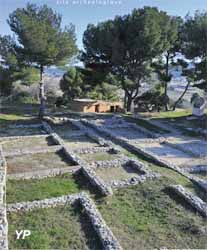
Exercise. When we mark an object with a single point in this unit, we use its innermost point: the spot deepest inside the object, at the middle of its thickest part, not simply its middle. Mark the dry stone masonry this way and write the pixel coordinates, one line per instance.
(86, 170)
(20, 151)
(106, 236)
(193, 200)
(3, 219)
(135, 148)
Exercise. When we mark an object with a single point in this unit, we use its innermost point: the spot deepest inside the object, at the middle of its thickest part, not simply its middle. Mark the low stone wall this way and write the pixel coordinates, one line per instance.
(182, 148)
(5, 139)
(42, 174)
(198, 131)
(3, 219)
(89, 133)
(87, 171)
(109, 163)
(44, 150)
(47, 127)
(41, 204)
(149, 155)
(106, 236)
(37, 125)
(91, 150)
(193, 200)
(197, 169)
(133, 180)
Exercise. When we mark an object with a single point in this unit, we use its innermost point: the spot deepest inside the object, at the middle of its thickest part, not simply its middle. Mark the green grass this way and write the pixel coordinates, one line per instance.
(167, 114)
(147, 217)
(173, 176)
(63, 227)
(29, 190)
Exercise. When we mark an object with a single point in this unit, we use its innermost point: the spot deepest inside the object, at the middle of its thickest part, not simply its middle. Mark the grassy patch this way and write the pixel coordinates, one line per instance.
(25, 144)
(167, 114)
(29, 190)
(55, 228)
(34, 162)
(146, 216)
(117, 173)
(79, 141)
(173, 176)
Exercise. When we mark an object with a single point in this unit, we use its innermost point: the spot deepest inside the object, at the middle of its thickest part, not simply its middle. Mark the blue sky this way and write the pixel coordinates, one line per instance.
(80, 14)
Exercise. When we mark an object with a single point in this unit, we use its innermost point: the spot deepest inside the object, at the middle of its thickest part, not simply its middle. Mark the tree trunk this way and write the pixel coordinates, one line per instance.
(167, 74)
(180, 98)
(129, 103)
(125, 99)
(41, 94)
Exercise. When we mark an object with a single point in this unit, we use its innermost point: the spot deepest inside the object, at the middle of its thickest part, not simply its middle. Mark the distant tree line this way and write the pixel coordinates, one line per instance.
(123, 53)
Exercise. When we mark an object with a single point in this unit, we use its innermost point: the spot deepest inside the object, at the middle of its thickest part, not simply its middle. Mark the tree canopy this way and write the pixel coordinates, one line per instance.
(41, 39)
(195, 49)
(126, 46)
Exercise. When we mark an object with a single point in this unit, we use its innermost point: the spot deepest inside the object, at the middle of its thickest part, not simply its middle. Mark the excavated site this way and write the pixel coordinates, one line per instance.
(101, 183)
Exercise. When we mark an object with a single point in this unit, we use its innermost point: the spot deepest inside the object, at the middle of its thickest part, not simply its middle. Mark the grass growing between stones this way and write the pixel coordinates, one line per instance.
(63, 227)
(146, 217)
(171, 175)
(29, 190)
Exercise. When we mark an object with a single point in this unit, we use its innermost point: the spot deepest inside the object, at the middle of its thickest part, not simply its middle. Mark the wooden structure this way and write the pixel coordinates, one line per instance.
(98, 106)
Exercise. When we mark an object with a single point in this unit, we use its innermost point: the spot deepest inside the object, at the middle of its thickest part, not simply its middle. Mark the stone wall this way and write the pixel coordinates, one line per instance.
(19, 152)
(106, 236)
(86, 170)
(90, 150)
(132, 181)
(42, 174)
(149, 155)
(14, 138)
(89, 173)
(3, 219)
(197, 169)
(190, 198)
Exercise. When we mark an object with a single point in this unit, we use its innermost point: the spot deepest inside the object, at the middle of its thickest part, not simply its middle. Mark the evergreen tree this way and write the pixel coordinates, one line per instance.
(41, 40)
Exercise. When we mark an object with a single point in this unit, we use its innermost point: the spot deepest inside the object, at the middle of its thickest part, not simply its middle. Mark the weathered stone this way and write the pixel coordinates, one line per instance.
(193, 200)
(107, 238)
